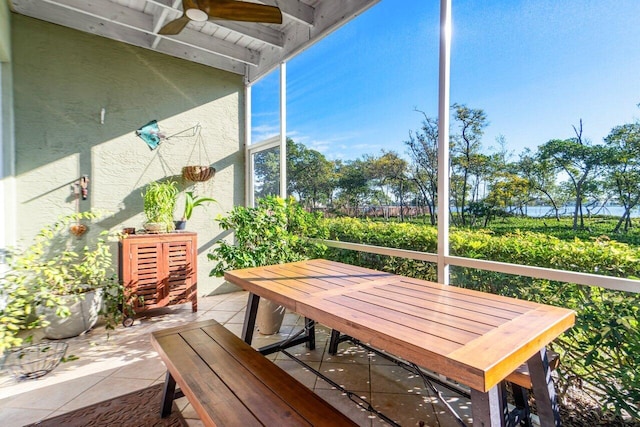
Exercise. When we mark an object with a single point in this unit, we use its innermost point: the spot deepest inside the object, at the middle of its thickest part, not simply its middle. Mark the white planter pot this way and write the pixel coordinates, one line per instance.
(84, 315)
(269, 317)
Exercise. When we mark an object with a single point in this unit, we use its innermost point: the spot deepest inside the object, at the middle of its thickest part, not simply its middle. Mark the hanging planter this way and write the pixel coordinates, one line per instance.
(202, 172)
(198, 173)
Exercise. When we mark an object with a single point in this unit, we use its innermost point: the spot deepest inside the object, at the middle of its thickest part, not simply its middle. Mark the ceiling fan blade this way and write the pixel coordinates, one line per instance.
(233, 10)
(174, 27)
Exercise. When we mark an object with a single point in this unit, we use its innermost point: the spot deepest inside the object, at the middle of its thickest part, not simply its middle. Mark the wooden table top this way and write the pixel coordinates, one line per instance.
(472, 337)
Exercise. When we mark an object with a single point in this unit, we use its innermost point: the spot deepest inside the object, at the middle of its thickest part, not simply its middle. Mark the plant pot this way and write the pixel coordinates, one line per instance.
(269, 318)
(84, 315)
(198, 173)
(180, 225)
(155, 227)
(78, 229)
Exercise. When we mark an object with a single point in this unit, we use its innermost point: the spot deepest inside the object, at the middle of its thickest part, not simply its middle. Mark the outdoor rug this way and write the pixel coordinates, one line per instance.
(138, 409)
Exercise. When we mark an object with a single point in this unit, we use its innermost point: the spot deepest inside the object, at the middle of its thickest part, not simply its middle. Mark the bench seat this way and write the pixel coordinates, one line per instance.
(228, 383)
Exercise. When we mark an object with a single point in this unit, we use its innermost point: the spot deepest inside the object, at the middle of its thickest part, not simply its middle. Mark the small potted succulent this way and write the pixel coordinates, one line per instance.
(159, 203)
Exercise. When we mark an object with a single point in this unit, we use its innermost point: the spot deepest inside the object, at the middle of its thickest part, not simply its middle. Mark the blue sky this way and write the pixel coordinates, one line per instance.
(535, 67)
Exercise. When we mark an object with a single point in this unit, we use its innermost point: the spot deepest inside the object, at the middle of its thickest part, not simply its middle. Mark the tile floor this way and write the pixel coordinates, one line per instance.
(122, 361)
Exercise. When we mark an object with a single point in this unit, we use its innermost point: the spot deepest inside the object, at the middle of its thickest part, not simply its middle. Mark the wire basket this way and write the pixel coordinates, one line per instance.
(35, 361)
(198, 173)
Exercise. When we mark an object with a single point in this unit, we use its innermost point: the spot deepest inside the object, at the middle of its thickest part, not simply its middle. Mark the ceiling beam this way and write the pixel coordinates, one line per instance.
(295, 10)
(106, 10)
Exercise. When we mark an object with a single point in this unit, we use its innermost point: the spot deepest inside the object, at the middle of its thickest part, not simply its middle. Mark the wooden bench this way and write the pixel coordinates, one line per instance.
(228, 383)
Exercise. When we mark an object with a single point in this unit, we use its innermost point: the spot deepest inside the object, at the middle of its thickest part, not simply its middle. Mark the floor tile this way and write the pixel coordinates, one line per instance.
(124, 360)
(106, 389)
(54, 396)
(13, 417)
(353, 376)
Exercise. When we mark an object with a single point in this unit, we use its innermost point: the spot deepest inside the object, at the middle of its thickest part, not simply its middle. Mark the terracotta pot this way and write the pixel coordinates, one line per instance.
(78, 229)
(198, 173)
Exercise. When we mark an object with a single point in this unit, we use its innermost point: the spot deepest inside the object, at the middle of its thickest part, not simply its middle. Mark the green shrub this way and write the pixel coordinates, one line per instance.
(56, 263)
(272, 233)
(602, 350)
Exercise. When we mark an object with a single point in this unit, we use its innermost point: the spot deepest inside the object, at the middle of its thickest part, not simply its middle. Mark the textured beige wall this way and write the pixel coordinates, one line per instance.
(5, 41)
(62, 80)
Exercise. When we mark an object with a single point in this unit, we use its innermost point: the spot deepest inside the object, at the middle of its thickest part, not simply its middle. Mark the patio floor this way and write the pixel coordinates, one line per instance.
(125, 361)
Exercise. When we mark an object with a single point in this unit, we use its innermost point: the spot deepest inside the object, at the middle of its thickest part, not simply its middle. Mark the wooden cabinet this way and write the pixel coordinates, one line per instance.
(159, 268)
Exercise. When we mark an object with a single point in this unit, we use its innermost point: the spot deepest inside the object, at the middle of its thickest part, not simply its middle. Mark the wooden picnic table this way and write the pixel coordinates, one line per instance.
(471, 337)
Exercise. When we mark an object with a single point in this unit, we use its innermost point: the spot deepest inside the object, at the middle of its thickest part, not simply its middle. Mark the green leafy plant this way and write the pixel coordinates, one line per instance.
(191, 202)
(275, 232)
(160, 201)
(56, 264)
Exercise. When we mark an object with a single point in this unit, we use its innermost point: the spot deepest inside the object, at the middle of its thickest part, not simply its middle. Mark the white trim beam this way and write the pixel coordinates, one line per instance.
(586, 279)
(294, 9)
(444, 78)
(105, 10)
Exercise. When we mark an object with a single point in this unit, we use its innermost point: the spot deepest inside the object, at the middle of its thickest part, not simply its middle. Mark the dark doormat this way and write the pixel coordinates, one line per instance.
(138, 409)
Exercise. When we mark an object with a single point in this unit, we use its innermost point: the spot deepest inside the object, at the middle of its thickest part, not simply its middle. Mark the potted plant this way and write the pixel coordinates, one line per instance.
(159, 202)
(190, 202)
(60, 282)
(272, 233)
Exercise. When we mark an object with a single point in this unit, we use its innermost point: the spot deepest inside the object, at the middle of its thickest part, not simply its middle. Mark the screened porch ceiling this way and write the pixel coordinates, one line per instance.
(244, 48)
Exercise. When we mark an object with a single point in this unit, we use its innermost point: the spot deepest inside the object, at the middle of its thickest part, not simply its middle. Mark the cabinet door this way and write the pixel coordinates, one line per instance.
(179, 271)
(146, 274)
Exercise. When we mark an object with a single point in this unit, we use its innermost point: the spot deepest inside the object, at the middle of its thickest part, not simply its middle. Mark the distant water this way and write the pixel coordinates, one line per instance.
(616, 211)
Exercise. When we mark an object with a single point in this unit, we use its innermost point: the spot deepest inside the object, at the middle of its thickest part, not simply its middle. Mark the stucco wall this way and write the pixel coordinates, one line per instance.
(62, 80)
(5, 42)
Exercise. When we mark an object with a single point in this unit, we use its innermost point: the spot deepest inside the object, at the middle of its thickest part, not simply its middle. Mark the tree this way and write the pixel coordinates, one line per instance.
(541, 177)
(389, 171)
(309, 175)
(353, 185)
(267, 173)
(466, 160)
(623, 173)
(423, 149)
(580, 161)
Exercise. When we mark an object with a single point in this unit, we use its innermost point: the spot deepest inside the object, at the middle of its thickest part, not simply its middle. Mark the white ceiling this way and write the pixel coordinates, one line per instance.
(244, 48)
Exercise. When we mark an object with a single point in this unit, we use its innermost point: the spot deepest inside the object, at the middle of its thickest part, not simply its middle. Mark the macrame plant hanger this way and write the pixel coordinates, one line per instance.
(202, 171)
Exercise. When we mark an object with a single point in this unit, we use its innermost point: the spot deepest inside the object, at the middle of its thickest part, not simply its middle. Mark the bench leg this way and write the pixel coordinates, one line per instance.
(168, 395)
(544, 389)
(521, 398)
(489, 409)
(250, 318)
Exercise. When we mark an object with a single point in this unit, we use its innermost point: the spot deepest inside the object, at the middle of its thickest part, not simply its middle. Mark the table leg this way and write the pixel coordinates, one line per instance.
(250, 318)
(489, 409)
(544, 389)
(310, 333)
(168, 395)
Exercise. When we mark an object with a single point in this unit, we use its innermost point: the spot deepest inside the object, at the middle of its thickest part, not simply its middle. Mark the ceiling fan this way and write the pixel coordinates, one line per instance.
(232, 10)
